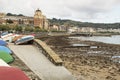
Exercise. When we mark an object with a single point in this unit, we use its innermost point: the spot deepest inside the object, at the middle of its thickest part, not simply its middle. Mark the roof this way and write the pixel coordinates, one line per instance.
(38, 10)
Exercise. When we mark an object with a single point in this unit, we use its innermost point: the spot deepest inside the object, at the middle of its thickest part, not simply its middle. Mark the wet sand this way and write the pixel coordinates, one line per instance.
(87, 63)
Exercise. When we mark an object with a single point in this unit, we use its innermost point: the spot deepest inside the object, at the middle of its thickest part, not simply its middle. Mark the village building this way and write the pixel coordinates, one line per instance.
(17, 20)
(2, 15)
(87, 29)
(81, 29)
(73, 29)
(57, 28)
(40, 20)
(54, 28)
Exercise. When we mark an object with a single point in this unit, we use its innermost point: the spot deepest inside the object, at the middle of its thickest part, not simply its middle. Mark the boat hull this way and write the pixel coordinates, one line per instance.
(26, 39)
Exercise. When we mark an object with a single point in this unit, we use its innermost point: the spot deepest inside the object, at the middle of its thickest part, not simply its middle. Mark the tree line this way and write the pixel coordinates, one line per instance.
(20, 29)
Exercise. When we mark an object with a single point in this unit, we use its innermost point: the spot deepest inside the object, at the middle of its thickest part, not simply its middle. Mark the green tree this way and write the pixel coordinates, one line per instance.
(9, 14)
(9, 21)
(18, 28)
(29, 29)
(4, 28)
(37, 29)
(20, 15)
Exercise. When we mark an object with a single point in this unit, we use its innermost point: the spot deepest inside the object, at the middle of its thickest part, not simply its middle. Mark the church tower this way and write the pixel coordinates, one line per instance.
(40, 20)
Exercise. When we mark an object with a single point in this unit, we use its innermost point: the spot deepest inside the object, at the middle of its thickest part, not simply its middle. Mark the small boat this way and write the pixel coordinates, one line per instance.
(8, 36)
(25, 39)
(16, 38)
(6, 57)
(11, 73)
(3, 43)
(6, 49)
(3, 63)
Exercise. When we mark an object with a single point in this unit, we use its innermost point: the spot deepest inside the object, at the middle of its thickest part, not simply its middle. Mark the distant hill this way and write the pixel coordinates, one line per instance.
(83, 24)
(10, 14)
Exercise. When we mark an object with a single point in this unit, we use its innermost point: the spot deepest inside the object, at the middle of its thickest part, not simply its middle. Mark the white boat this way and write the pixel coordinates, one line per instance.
(3, 63)
(8, 36)
(25, 39)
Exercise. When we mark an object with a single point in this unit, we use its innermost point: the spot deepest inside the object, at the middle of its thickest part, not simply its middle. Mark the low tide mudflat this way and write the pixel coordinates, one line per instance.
(85, 63)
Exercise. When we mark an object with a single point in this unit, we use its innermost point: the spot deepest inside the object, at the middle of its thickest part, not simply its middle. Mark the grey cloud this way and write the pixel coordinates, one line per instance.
(92, 7)
(74, 9)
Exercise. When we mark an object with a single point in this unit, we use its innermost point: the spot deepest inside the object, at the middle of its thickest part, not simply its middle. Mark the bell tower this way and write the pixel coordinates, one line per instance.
(40, 20)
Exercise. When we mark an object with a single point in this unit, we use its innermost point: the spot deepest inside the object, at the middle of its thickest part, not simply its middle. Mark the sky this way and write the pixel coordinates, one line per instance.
(97, 11)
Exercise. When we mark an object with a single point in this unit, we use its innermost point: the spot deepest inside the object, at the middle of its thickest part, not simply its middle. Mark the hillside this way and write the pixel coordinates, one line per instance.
(83, 24)
(72, 23)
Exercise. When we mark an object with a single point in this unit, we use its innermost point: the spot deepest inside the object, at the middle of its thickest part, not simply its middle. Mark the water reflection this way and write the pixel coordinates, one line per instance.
(116, 59)
(80, 45)
(115, 39)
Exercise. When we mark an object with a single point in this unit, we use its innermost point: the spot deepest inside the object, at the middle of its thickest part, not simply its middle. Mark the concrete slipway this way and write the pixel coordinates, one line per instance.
(39, 64)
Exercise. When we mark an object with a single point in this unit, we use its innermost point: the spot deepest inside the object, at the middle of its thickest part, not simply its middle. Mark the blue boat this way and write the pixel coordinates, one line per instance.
(3, 43)
(6, 49)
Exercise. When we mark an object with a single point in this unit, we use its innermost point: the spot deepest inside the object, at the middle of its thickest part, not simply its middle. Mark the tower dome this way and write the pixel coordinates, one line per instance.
(38, 13)
(38, 10)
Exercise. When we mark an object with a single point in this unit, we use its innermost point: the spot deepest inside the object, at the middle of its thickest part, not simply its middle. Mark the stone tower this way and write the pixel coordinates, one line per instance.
(2, 15)
(40, 20)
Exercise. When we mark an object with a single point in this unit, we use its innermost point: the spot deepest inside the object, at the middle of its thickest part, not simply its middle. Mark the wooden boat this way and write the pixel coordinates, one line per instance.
(25, 39)
(16, 38)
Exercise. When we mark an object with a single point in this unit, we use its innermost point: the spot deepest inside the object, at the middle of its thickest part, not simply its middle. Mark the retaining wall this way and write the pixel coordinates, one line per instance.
(48, 52)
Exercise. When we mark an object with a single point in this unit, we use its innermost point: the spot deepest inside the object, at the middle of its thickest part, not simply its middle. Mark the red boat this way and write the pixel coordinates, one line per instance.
(10, 73)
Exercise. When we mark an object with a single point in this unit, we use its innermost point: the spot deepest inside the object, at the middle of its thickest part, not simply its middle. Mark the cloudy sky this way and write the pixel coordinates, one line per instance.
(98, 11)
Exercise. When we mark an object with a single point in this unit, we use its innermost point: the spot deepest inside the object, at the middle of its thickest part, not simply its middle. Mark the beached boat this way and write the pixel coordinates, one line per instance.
(3, 43)
(3, 63)
(16, 38)
(6, 57)
(8, 36)
(11, 73)
(6, 49)
(25, 39)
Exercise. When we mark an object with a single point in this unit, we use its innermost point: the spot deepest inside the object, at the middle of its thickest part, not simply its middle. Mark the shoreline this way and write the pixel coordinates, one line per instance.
(86, 63)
